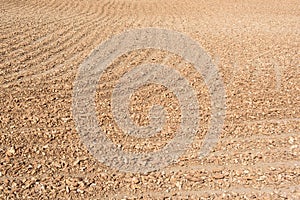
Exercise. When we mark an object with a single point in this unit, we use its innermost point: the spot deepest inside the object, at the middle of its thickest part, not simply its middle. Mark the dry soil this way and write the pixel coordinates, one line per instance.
(255, 45)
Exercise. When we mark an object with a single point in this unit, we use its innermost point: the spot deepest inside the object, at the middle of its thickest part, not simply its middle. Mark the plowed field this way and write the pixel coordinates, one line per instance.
(254, 44)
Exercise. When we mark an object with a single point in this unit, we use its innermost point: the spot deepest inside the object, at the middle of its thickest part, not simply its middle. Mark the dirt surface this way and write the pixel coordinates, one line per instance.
(255, 45)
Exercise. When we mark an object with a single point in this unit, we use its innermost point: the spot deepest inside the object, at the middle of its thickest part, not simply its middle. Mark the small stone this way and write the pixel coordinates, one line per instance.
(135, 180)
(14, 184)
(67, 189)
(71, 182)
(291, 140)
(81, 184)
(194, 178)
(65, 119)
(218, 176)
(179, 185)
(80, 191)
(11, 151)
(294, 147)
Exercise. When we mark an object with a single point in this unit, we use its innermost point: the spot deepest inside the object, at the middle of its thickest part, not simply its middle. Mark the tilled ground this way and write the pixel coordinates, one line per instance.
(254, 44)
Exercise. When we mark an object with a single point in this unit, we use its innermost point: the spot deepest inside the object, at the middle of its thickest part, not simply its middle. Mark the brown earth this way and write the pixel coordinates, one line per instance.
(256, 46)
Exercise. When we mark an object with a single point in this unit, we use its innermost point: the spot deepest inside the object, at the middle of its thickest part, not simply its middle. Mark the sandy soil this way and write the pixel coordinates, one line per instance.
(256, 46)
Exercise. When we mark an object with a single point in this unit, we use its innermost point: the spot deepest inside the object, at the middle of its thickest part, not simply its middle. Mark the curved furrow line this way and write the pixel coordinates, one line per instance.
(17, 54)
(103, 7)
(46, 8)
(61, 68)
(212, 167)
(271, 121)
(57, 6)
(226, 141)
(237, 188)
(10, 23)
(60, 49)
(240, 147)
(31, 9)
(113, 20)
(45, 5)
(41, 26)
(161, 18)
(248, 157)
(66, 7)
(53, 10)
(54, 5)
(37, 6)
(235, 146)
(17, 7)
(91, 42)
(142, 16)
(71, 70)
(9, 27)
(174, 17)
(259, 137)
(138, 16)
(234, 191)
(70, 22)
(243, 146)
(91, 17)
(118, 9)
(27, 40)
(30, 5)
(290, 125)
(109, 5)
(156, 19)
(23, 24)
(95, 37)
(48, 46)
(83, 7)
(158, 8)
(64, 32)
(178, 17)
(208, 168)
(6, 5)
(164, 18)
(106, 6)
(134, 15)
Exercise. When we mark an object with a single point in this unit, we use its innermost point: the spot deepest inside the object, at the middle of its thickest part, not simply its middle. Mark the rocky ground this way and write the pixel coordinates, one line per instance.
(255, 45)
